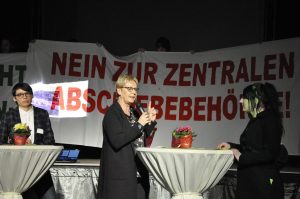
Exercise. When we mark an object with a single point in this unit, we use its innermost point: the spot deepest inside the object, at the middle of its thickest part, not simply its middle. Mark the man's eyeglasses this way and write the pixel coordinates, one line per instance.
(23, 95)
(130, 89)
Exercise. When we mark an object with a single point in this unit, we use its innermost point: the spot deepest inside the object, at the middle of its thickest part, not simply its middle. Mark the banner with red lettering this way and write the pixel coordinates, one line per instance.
(75, 82)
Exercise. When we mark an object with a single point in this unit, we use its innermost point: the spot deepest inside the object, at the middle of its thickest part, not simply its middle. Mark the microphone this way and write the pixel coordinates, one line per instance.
(140, 108)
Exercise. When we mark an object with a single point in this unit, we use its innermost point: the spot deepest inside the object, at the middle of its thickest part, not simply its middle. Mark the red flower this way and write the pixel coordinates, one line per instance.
(183, 131)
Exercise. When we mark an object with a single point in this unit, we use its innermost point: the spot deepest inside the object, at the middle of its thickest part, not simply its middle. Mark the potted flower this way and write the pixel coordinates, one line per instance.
(182, 137)
(19, 133)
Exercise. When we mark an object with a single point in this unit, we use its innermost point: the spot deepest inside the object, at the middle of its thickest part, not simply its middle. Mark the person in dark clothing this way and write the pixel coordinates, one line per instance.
(123, 132)
(41, 133)
(162, 44)
(258, 175)
(6, 46)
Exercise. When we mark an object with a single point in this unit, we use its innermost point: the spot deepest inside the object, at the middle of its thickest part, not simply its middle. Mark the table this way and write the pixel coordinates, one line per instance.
(80, 180)
(76, 180)
(22, 166)
(186, 173)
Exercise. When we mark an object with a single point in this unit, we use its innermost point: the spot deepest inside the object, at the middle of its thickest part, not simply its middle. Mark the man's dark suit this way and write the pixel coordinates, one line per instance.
(118, 165)
(41, 121)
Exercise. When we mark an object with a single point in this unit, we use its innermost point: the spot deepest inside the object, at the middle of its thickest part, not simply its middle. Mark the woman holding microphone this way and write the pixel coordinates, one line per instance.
(123, 132)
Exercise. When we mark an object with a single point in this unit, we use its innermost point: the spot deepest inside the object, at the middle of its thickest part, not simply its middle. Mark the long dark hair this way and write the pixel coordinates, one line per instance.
(267, 96)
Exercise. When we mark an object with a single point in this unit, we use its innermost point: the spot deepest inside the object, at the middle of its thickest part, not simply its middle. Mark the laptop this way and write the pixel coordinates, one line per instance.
(68, 155)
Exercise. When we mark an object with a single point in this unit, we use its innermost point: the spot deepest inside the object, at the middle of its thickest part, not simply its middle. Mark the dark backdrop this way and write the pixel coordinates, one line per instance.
(124, 26)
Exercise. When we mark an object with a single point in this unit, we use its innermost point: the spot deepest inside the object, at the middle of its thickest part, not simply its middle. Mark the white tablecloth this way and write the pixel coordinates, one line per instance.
(22, 166)
(186, 173)
(76, 180)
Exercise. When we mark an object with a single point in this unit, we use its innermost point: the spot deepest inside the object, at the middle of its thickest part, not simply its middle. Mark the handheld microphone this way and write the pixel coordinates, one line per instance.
(140, 108)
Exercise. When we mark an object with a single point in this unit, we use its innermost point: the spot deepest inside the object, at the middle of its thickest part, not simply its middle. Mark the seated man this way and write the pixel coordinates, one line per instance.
(41, 133)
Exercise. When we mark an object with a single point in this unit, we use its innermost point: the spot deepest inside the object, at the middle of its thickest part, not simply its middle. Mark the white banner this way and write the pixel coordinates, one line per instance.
(75, 82)
(12, 70)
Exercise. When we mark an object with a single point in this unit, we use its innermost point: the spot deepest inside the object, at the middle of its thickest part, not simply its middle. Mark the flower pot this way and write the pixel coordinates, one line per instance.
(20, 139)
(186, 141)
(182, 142)
(175, 142)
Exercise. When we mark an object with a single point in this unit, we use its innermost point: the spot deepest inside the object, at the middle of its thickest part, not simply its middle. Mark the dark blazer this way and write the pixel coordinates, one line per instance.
(41, 121)
(258, 176)
(118, 171)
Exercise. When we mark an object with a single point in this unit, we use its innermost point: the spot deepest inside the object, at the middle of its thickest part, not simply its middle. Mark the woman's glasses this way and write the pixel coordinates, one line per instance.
(130, 89)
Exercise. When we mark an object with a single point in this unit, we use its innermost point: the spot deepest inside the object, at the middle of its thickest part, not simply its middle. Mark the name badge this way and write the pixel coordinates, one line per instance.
(40, 131)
